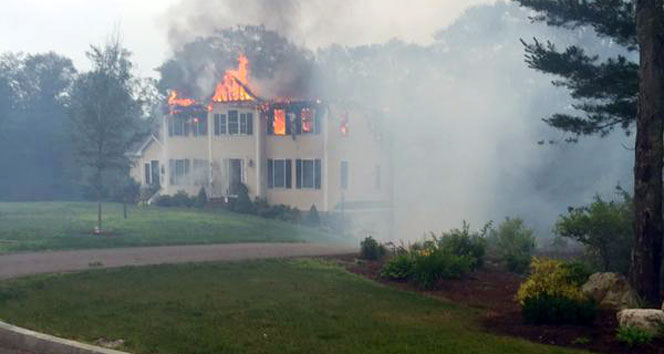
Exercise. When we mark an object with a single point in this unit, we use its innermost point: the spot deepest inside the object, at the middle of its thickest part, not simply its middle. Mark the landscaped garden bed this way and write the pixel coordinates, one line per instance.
(493, 290)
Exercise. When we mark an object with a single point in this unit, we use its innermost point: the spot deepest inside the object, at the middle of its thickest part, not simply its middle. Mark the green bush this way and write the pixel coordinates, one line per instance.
(370, 249)
(432, 265)
(179, 199)
(552, 294)
(514, 244)
(462, 242)
(605, 230)
(399, 267)
(202, 199)
(634, 336)
(242, 203)
(548, 309)
(313, 219)
(577, 273)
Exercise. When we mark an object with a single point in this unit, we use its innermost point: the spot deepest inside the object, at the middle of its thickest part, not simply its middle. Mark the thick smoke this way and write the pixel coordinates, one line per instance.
(463, 109)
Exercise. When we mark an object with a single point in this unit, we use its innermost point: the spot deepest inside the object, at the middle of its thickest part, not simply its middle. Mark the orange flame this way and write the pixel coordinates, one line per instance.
(173, 100)
(234, 85)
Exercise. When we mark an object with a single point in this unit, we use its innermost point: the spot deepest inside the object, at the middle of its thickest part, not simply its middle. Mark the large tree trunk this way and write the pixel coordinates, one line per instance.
(647, 253)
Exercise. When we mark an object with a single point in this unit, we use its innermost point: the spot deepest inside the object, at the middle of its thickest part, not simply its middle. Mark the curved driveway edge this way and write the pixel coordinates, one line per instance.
(22, 264)
(24, 339)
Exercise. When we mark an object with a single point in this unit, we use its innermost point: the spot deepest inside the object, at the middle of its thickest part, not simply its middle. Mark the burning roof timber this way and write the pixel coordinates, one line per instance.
(233, 88)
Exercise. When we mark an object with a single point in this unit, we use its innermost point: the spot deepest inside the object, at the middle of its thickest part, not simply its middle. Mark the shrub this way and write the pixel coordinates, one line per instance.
(432, 265)
(514, 244)
(313, 219)
(180, 199)
(370, 249)
(552, 294)
(634, 336)
(461, 242)
(399, 267)
(202, 199)
(242, 204)
(605, 230)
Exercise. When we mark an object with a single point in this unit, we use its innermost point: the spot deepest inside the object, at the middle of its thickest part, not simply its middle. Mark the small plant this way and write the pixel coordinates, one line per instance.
(433, 264)
(552, 294)
(399, 267)
(514, 244)
(370, 249)
(581, 341)
(313, 219)
(462, 242)
(201, 199)
(633, 336)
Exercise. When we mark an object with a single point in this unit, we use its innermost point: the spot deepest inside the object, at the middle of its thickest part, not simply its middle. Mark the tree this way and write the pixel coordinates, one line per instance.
(615, 92)
(604, 228)
(105, 115)
(647, 254)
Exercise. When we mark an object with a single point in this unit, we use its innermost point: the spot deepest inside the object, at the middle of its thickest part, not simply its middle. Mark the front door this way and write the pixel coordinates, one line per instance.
(235, 172)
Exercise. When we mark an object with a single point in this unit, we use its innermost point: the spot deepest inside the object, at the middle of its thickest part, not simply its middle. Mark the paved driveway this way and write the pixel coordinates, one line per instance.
(21, 264)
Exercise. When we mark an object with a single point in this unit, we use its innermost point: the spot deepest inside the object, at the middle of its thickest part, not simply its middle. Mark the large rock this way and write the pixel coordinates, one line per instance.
(611, 290)
(650, 320)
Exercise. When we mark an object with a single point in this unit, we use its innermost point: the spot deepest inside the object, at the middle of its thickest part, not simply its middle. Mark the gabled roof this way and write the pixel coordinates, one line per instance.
(151, 139)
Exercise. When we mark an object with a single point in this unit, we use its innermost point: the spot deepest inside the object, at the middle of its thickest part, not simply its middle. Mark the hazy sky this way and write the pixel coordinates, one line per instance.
(69, 26)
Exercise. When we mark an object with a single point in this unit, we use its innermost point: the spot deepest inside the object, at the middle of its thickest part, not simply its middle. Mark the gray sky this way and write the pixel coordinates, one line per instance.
(69, 26)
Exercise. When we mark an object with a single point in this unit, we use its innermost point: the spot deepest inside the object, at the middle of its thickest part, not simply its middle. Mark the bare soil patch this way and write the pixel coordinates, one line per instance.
(493, 290)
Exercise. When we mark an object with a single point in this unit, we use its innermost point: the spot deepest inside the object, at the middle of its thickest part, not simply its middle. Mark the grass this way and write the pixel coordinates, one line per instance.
(68, 225)
(278, 306)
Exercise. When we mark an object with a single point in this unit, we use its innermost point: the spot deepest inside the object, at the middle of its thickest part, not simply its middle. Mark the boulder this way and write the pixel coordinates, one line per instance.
(611, 290)
(649, 320)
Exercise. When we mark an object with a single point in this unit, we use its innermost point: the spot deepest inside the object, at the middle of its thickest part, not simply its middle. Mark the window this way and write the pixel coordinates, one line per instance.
(378, 177)
(152, 173)
(344, 175)
(279, 174)
(308, 174)
(279, 122)
(199, 126)
(179, 171)
(178, 127)
(308, 121)
(233, 127)
(246, 123)
(219, 124)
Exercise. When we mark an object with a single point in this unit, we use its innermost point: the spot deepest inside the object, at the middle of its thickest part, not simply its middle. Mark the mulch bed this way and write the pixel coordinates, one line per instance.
(494, 290)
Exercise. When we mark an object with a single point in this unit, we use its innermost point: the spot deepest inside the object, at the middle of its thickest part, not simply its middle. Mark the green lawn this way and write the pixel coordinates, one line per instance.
(279, 306)
(68, 225)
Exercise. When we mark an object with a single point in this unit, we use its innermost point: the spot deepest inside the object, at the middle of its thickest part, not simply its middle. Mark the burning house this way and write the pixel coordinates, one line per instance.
(299, 153)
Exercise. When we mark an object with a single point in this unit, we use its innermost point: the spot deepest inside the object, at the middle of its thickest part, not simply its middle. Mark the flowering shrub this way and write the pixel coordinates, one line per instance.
(552, 294)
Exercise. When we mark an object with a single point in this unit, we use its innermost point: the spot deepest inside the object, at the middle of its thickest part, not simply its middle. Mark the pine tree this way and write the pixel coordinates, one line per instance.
(615, 92)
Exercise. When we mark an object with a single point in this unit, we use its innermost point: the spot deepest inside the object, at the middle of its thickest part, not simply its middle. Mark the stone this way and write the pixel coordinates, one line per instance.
(611, 291)
(111, 344)
(649, 320)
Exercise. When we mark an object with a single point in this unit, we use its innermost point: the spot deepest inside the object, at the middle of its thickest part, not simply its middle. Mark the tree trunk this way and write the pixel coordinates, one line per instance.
(647, 252)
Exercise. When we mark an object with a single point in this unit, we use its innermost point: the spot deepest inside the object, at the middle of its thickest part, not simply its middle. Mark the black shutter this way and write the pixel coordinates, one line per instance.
(270, 179)
(250, 123)
(170, 126)
(186, 127)
(289, 174)
(316, 122)
(216, 124)
(288, 123)
(298, 122)
(298, 174)
(187, 167)
(270, 123)
(317, 175)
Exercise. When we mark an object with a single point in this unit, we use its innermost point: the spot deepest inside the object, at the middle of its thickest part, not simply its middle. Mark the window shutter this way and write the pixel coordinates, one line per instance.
(317, 173)
(298, 123)
(171, 171)
(288, 123)
(187, 167)
(298, 174)
(147, 173)
(289, 174)
(270, 175)
(270, 123)
(216, 124)
(316, 122)
(170, 126)
(250, 123)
